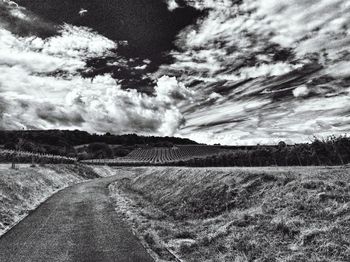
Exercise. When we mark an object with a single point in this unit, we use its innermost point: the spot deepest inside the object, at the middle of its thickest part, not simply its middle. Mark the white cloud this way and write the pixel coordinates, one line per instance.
(108, 107)
(260, 121)
(340, 69)
(267, 70)
(169, 89)
(32, 97)
(143, 67)
(78, 42)
(65, 52)
(172, 4)
(265, 50)
(301, 91)
(244, 63)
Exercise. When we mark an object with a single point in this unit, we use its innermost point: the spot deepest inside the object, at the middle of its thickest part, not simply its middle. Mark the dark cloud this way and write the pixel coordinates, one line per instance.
(54, 115)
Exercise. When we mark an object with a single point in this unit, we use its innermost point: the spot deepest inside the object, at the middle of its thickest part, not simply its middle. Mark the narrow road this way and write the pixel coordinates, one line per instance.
(78, 224)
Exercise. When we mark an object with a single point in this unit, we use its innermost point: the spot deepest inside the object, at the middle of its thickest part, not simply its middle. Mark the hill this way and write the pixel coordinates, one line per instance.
(64, 142)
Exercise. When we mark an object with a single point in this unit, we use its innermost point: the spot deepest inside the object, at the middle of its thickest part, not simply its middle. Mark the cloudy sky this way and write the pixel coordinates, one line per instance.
(223, 71)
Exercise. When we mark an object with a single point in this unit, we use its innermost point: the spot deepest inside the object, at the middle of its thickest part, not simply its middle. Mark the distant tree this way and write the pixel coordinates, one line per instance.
(100, 150)
(10, 146)
(282, 145)
(120, 152)
(84, 156)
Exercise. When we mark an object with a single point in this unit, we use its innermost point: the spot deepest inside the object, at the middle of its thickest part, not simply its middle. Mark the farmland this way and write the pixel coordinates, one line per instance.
(327, 152)
(7, 156)
(238, 214)
(140, 150)
(161, 155)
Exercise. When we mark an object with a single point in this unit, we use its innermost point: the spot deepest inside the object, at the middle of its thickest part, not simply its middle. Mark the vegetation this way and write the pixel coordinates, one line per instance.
(239, 214)
(64, 142)
(12, 156)
(139, 150)
(326, 152)
(161, 155)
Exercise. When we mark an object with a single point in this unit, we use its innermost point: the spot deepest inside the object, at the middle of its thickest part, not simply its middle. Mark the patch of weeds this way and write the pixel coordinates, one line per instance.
(243, 221)
(309, 236)
(155, 244)
(206, 241)
(187, 248)
(149, 239)
(285, 229)
(245, 246)
(312, 184)
(221, 248)
(185, 234)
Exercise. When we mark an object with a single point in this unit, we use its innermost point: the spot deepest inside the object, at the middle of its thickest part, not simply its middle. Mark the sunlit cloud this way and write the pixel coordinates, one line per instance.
(172, 4)
(41, 87)
(246, 72)
(289, 57)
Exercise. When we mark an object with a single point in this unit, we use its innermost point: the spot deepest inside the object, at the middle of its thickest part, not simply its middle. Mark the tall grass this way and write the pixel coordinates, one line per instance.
(243, 214)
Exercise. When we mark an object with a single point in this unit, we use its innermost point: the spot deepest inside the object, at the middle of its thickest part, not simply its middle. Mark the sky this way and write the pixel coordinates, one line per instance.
(225, 71)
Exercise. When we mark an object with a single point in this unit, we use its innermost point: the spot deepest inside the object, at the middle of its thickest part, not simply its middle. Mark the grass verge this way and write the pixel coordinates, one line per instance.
(239, 214)
(24, 188)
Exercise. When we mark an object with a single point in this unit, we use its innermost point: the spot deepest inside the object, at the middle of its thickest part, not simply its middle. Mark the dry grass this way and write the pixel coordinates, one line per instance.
(24, 188)
(240, 214)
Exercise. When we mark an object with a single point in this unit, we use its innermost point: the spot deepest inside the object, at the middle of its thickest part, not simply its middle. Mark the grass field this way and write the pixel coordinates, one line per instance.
(24, 188)
(239, 214)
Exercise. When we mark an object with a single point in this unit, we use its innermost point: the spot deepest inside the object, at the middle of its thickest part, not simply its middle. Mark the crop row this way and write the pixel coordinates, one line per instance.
(7, 156)
(160, 155)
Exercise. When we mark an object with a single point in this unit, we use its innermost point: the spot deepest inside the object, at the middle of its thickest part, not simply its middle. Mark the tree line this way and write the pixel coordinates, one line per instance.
(63, 142)
(320, 152)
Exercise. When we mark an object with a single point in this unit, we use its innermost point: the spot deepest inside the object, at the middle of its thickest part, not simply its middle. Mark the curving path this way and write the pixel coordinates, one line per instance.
(78, 224)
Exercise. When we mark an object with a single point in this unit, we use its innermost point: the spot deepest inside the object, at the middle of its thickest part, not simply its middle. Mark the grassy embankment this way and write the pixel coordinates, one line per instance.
(24, 188)
(239, 214)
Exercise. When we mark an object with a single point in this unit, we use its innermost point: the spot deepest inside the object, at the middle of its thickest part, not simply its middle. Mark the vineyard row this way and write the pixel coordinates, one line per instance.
(7, 156)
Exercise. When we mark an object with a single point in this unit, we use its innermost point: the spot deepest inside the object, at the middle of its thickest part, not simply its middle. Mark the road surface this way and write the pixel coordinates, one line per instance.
(78, 224)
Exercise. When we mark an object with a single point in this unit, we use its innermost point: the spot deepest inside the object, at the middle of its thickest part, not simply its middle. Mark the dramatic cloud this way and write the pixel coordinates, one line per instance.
(41, 87)
(265, 70)
(246, 72)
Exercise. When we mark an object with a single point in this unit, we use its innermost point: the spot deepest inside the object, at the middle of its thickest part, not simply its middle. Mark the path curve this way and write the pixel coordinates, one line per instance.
(77, 224)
